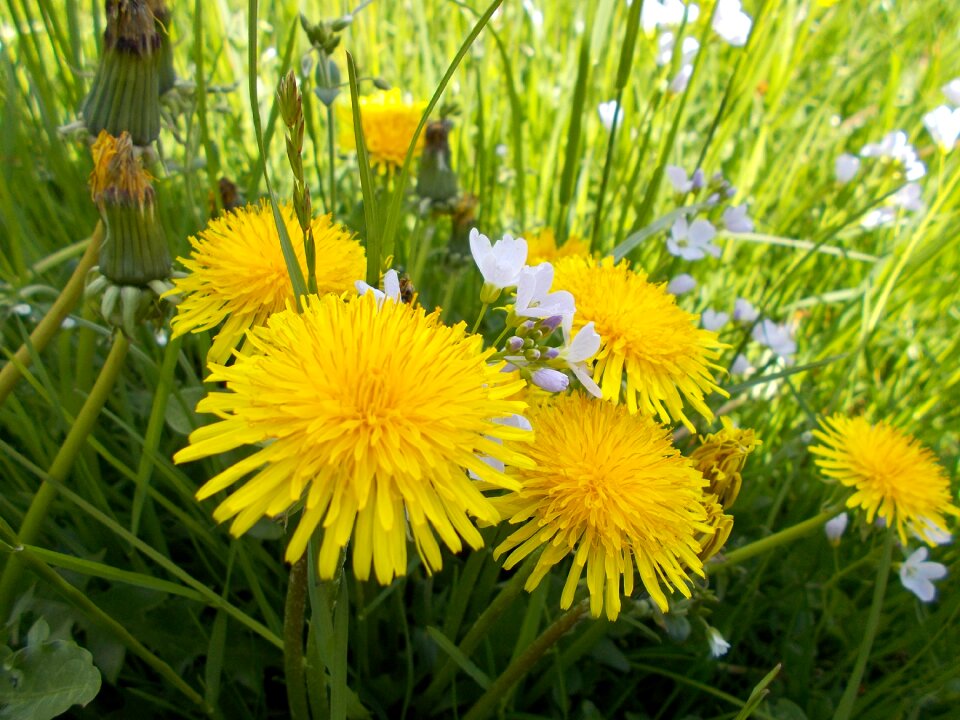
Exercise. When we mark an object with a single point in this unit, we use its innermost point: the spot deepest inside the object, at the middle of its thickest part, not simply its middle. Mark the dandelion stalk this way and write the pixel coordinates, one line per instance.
(519, 668)
(845, 708)
(62, 464)
(483, 625)
(293, 618)
(758, 547)
(48, 326)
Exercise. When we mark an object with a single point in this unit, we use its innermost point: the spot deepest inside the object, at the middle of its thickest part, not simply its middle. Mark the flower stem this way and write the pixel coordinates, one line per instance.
(51, 322)
(758, 547)
(62, 464)
(483, 311)
(481, 627)
(845, 708)
(293, 617)
(516, 670)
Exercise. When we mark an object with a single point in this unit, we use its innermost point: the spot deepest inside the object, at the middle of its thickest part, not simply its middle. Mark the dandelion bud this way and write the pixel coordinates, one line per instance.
(161, 18)
(125, 95)
(134, 249)
(437, 181)
(515, 344)
(550, 380)
(721, 458)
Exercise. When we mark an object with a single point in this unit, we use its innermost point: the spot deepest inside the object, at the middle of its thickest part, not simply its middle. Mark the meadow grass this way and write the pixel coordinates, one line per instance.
(876, 315)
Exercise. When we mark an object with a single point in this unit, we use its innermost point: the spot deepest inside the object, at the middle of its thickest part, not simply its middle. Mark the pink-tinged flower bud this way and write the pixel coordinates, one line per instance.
(551, 324)
(550, 353)
(550, 380)
(515, 344)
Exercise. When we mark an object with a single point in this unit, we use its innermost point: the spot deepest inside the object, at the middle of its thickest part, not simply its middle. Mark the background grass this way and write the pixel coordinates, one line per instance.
(813, 82)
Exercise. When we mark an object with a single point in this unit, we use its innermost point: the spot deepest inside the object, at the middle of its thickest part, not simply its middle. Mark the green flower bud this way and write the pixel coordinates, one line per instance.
(437, 181)
(125, 95)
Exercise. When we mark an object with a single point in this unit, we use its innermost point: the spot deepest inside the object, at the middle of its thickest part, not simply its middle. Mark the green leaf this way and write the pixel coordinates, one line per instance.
(47, 677)
(465, 663)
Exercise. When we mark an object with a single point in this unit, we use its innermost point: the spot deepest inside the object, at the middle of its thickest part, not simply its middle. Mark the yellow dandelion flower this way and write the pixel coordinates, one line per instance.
(370, 416)
(646, 336)
(542, 247)
(237, 272)
(893, 475)
(389, 121)
(721, 458)
(610, 489)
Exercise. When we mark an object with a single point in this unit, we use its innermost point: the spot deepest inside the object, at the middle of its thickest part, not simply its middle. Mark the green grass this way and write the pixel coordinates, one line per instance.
(876, 315)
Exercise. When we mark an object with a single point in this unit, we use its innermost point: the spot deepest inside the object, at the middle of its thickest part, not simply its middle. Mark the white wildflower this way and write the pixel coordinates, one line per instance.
(835, 528)
(916, 574)
(944, 125)
(714, 319)
(845, 167)
(731, 23)
(681, 284)
(735, 219)
(691, 241)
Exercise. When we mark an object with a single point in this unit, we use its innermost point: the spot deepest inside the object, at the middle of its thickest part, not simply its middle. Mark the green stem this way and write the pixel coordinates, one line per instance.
(483, 311)
(62, 464)
(758, 547)
(332, 159)
(845, 708)
(48, 327)
(481, 628)
(516, 670)
(95, 613)
(155, 425)
(293, 618)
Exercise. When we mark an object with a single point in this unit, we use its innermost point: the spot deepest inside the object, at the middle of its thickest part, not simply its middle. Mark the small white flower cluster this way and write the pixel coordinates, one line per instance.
(775, 337)
(893, 147)
(943, 122)
(693, 241)
(536, 312)
(916, 573)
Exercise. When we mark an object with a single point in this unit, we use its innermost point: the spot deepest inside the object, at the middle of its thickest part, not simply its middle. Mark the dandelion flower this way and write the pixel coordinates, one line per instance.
(646, 336)
(389, 121)
(542, 247)
(370, 414)
(237, 272)
(721, 458)
(893, 475)
(609, 489)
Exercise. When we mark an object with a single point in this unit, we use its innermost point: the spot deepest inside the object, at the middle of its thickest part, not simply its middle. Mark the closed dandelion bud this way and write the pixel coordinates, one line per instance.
(712, 543)
(721, 457)
(125, 95)
(135, 249)
(161, 18)
(437, 181)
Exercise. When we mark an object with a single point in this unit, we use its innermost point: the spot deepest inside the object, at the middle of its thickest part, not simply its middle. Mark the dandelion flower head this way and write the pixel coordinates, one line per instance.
(665, 356)
(389, 121)
(237, 274)
(608, 488)
(892, 474)
(368, 414)
(542, 247)
(721, 457)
